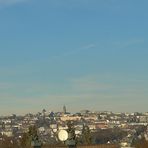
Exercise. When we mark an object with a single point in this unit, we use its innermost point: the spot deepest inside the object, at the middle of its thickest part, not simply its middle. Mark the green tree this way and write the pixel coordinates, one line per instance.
(71, 130)
(28, 137)
(71, 141)
(25, 141)
(86, 135)
(33, 131)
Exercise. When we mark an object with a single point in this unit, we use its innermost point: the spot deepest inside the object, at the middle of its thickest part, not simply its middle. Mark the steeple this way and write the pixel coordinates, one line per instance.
(64, 109)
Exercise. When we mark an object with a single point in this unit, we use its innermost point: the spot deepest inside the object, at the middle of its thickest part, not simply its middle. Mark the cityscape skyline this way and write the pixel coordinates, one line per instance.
(86, 54)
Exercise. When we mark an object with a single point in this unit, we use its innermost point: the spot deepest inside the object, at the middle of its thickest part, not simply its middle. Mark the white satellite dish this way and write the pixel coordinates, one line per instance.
(63, 135)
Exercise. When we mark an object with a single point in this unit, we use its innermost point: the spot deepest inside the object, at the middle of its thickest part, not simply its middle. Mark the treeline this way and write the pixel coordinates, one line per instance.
(108, 135)
(86, 138)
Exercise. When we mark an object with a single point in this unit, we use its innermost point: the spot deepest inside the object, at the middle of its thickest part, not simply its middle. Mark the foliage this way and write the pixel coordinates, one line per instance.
(28, 137)
(86, 135)
(112, 135)
(71, 130)
(7, 142)
(141, 144)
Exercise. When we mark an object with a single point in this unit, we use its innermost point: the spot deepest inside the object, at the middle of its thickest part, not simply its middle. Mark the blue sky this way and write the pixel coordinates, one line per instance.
(86, 54)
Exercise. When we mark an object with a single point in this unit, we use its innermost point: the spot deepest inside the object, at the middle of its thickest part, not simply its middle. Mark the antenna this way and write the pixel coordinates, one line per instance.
(63, 135)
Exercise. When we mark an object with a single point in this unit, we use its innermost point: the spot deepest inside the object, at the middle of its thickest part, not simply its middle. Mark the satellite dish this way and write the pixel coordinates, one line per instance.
(63, 135)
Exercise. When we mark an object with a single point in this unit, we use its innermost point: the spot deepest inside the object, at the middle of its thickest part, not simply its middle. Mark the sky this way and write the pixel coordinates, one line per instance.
(85, 54)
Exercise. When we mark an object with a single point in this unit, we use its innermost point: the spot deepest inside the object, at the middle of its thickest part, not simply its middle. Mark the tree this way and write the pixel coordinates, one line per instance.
(105, 135)
(71, 141)
(8, 142)
(25, 142)
(86, 135)
(28, 137)
(142, 144)
(71, 130)
(32, 131)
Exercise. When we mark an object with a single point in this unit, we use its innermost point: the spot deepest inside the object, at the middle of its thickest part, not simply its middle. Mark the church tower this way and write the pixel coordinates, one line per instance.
(64, 109)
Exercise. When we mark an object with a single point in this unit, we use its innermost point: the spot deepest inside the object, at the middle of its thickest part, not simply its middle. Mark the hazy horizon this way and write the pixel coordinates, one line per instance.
(86, 54)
